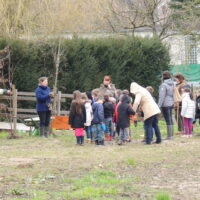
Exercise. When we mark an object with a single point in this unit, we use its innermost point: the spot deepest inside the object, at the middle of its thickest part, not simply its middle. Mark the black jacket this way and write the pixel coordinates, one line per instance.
(76, 120)
(108, 109)
(197, 108)
(124, 112)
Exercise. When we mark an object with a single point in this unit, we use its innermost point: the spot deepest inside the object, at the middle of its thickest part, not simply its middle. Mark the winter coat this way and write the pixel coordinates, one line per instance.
(166, 94)
(77, 120)
(98, 113)
(124, 112)
(197, 107)
(108, 109)
(145, 100)
(43, 98)
(110, 89)
(188, 106)
(89, 113)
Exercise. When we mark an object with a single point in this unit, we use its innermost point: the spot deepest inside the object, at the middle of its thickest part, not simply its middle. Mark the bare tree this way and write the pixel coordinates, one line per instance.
(134, 14)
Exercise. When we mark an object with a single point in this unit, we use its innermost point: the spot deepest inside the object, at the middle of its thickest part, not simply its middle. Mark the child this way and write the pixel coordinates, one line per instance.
(89, 115)
(108, 114)
(98, 118)
(187, 111)
(116, 114)
(197, 116)
(77, 119)
(95, 93)
(124, 112)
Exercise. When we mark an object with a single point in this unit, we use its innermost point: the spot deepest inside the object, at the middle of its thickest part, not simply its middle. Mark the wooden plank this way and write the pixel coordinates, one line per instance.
(24, 110)
(63, 112)
(32, 95)
(24, 116)
(26, 98)
(21, 98)
(26, 94)
(14, 110)
(3, 97)
(5, 114)
(67, 95)
(59, 102)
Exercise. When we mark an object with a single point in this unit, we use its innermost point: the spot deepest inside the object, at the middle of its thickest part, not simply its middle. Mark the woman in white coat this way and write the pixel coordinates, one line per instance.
(150, 109)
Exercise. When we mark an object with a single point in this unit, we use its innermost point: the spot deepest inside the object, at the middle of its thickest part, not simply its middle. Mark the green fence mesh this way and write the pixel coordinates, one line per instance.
(191, 71)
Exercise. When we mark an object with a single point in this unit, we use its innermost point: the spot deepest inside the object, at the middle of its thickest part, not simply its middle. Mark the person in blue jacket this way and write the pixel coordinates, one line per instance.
(98, 119)
(43, 105)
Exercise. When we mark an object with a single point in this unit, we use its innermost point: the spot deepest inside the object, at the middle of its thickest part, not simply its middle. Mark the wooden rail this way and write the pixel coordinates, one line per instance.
(15, 112)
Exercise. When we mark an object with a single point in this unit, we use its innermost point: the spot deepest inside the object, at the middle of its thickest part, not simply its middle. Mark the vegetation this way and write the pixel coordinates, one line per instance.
(62, 170)
(84, 62)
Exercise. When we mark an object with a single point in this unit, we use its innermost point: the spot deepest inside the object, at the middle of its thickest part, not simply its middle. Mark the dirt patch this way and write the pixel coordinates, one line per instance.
(23, 162)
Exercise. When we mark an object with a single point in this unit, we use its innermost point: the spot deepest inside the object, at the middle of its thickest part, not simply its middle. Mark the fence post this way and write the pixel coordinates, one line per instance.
(14, 117)
(59, 103)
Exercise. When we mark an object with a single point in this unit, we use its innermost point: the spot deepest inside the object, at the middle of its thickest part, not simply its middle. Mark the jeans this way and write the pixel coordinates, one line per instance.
(187, 123)
(98, 132)
(150, 124)
(88, 131)
(167, 114)
(108, 123)
(45, 117)
(124, 134)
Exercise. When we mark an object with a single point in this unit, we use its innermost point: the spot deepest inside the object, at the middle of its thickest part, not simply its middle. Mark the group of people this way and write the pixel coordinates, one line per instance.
(105, 112)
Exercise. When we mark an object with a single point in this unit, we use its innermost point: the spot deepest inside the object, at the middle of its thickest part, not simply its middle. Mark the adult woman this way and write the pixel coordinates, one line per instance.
(150, 110)
(107, 87)
(181, 83)
(43, 106)
(166, 101)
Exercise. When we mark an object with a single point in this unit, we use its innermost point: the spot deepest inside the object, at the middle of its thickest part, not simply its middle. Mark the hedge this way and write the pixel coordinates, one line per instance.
(84, 62)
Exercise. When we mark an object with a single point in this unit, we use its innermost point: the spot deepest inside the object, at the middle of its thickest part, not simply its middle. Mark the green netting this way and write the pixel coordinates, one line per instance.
(191, 72)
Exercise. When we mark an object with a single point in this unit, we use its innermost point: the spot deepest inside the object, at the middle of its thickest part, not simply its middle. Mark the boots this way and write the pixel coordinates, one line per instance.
(46, 131)
(41, 131)
(170, 132)
(96, 142)
(101, 142)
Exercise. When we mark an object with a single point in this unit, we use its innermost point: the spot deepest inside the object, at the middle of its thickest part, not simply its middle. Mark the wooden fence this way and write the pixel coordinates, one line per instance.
(14, 112)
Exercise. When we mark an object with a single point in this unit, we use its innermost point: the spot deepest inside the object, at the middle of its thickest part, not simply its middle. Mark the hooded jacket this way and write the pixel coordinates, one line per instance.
(77, 120)
(188, 106)
(98, 113)
(166, 94)
(145, 100)
(124, 112)
(43, 98)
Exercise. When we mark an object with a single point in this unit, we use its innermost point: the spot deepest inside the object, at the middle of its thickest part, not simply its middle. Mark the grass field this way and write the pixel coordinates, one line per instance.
(55, 168)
